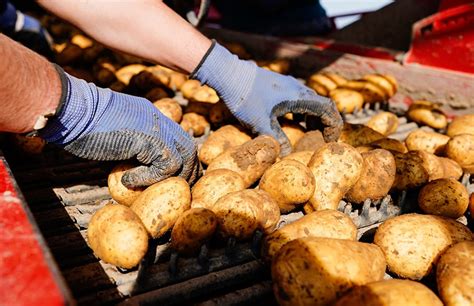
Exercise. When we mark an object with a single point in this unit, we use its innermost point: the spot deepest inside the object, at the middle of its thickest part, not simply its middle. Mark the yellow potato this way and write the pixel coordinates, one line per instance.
(381, 82)
(189, 88)
(430, 142)
(373, 93)
(412, 243)
(451, 169)
(218, 142)
(385, 123)
(347, 100)
(302, 156)
(294, 132)
(205, 94)
(126, 73)
(326, 223)
(82, 41)
(336, 168)
(365, 149)
(432, 164)
(461, 149)
(121, 194)
(270, 208)
(339, 80)
(289, 183)
(278, 65)
(358, 135)
(391, 292)
(214, 185)
(411, 170)
(170, 108)
(427, 113)
(249, 160)
(392, 81)
(354, 85)
(311, 141)
(316, 271)
(321, 84)
(29, 144)
(461, 125)
(454, 274)
(444, 197)
(376, 179)
(196, 123)
(219, 113)
(192, 229)
(176, 80)
(160, 205)
(391, 145)
(117, 236)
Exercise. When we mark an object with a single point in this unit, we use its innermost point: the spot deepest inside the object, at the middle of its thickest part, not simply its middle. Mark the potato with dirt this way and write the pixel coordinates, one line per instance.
(427, 113)
(195, 123)
(117, 236)
(125, 74)
(412, 243)
(301, 156)
(384, 82)
(358, 135)
(170, 108)
(346, 100)
(385, 123)
(326, 223)
(121, 194)
(270, 208)
(316, 271)
(391, 292)
(289, 183)
(311, 141)
(461, 125)
(416, 168)
(461, 149)
(293, 131)
(221, 140)
(430, 142)
(214, 185)
(392, 145)
(454, 274)
(249, 160)
(444, 197)
(336, 168)
(193, 229)
(376, 179)
(160, 205)
(451, 169)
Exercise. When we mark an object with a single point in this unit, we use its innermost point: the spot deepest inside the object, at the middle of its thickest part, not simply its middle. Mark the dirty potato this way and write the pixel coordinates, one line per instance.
(430, 142)
(427, 113)
(270, 208)
(220, 114)
(214, 185)
(390, 145)
(294, 132)
(461, 149)
(121, 194)
(311, 141)
(444, 197)
(196, 123)
(416, 168)
(336, 168)
(385, 123)
(289, 183)
(125, 74)
(454, 274)
(461, 125)
(451, 169)
(347, 100)
(302, 156)
(358, 135)
(192, 229)
(382, 82)
(117, 236)
(316, 271)
(326, 223)
(249, 160)
(321, 84)
(170, 108)
(376, 179)
(160, 205)
(412, 243)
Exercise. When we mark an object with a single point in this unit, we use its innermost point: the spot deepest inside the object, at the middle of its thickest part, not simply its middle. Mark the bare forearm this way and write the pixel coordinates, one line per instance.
(148, 29)
(29, 87)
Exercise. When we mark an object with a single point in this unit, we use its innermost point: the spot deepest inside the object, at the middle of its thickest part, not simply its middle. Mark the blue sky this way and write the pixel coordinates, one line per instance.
(339, 7)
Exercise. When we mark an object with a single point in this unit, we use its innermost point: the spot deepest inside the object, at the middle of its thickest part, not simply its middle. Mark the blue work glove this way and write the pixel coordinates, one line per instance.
(24, 29)
(101, 124)
(256, 96)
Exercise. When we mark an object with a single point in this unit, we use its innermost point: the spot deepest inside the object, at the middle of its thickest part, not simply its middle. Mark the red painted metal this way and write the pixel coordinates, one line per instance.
(25, 276)
(445, 40)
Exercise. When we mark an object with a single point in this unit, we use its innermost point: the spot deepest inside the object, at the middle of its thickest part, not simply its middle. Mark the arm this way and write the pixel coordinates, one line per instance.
(148, 29)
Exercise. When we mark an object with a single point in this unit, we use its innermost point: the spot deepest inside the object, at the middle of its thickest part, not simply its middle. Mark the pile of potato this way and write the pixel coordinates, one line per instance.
(247, 185)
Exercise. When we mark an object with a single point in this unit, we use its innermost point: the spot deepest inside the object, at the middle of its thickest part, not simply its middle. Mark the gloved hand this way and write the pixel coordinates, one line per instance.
(24, 29)
(101, 124)
(256, 97)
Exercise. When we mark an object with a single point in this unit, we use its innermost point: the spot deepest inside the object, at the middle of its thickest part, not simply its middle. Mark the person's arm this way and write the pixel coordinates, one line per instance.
(144, 28)
(29, 87)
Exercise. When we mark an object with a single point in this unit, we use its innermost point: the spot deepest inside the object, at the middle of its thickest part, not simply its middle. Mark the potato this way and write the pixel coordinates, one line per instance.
(200, 108)
(412, 243)
(156, 93)
(170, 108)
(376, 179)
(316, 271)
(270, 208)
(347, 100)
(411, 170)
(385, 123)
(289, 183)
(160, 205)
(336, 168)
(214, 185)
(373, 93)
(192, 229)
(121, 194)
(189, 88)
(383, 83)
(391, 292)
(461, 125)
(117, 236)
(81, 41)
(358, 135)
(461, 149)
(444, 197)
(365, 149)
(249, 160)
(68, 54)
(427, 113)
(339, 80)
(451, 169)
(219, 113)
(126, 73)
(280, 65)
(29, 144)
(196, 123)
(326, 223)
(221, 140)
(302, 156)
(238, 215)
(176, 80)
(294, 132)
(454, 274)
(104, 72)
(205, 94)
(311, 141)
(321, 84)
(432, 164)
(390, 145)
(392, 81)
(354, 85)
(430, 142)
